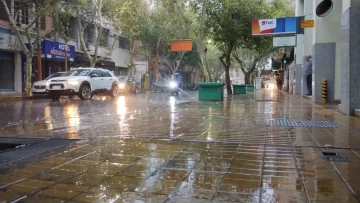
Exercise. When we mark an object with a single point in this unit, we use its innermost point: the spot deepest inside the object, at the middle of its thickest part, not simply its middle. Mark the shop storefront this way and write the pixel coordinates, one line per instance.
(54, 57)
(9, 51)
(52, 60)
(7, 72)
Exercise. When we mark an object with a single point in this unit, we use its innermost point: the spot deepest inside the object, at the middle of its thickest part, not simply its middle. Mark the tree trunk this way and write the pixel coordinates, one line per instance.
(227, 80)
(92, 63)
(28, 82)
(247, 78)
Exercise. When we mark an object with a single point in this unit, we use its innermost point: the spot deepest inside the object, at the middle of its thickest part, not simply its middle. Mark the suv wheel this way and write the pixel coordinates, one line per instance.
(54, 97)
(114, 91)
(85, 92)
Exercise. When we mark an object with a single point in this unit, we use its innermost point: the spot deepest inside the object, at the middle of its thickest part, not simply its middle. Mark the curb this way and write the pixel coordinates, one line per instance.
(16, 98)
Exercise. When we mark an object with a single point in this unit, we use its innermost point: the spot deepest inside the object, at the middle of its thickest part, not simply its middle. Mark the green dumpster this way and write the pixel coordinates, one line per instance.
(212, 91)
(249, 88)
(239, 89)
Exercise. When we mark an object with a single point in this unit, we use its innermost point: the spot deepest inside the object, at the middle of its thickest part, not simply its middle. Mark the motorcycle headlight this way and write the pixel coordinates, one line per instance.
(173, 84)
(72, 82)
(121, 86)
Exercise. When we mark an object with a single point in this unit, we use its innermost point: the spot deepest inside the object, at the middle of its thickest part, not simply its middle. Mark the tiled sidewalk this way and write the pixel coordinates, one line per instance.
(203, 152)
(160, 171)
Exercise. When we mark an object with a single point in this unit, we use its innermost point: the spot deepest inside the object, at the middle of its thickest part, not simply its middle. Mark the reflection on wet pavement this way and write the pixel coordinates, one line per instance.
(193, 152)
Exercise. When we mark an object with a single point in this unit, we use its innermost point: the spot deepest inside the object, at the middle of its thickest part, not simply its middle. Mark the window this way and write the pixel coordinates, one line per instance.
(21, 12)
(124, 43)
(3, 15)
(97, 72)
(104, 38)
(106, 73)
(88, 34)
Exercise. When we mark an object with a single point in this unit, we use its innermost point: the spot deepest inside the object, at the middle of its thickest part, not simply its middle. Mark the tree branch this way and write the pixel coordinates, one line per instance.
(15, 28)
(81, 35)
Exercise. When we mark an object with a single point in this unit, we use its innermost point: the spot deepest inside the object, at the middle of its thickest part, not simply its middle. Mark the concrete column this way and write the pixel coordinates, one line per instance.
(350, 83)
(308, 41)
(299, 51)
(326, 52)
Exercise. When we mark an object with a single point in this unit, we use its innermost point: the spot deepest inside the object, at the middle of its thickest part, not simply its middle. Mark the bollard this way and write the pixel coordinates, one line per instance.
(324, 91)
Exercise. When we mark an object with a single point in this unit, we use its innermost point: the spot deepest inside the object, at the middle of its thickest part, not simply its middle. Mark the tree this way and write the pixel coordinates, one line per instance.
(99, 24)
(229, 25)
(133, 15)
(28, 30)
(62, 25)
(158, 30)
(257, 50)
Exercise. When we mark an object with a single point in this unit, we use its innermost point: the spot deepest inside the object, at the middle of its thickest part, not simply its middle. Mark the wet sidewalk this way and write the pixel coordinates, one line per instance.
(261, 147)
(13, 96)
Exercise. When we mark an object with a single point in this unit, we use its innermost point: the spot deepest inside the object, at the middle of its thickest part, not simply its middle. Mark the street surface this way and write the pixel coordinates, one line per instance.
(155, 148)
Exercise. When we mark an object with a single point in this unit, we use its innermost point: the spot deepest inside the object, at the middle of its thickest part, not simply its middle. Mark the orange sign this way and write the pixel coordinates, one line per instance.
(307, 23)
(181, 45)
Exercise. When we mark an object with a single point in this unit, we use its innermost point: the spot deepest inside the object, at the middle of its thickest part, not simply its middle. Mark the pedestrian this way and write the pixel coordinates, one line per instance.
(308, 74)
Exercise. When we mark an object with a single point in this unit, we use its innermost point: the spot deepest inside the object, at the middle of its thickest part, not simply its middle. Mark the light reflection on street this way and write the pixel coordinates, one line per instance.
(47, 115)
(121, 111)
(172, 116)
(72, 115)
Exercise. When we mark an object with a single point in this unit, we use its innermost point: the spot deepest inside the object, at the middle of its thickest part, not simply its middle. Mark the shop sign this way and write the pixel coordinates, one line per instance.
(56, 50)
(9, 42)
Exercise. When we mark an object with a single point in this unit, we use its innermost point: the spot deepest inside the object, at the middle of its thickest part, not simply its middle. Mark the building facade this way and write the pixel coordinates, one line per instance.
(12, 61)
(333, 44)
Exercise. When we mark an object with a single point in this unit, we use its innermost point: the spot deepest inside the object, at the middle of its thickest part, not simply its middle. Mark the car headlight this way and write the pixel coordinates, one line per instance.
(72, 82)
(121, 86)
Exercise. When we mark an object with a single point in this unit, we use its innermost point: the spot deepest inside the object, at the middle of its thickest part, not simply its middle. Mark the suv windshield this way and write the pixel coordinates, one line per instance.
(78, 72)
(55, 75)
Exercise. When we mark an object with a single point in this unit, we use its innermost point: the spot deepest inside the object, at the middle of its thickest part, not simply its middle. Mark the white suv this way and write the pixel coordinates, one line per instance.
(84, 82)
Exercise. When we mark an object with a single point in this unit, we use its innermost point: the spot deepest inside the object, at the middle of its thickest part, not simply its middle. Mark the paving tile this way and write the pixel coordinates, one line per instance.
(37, 199)
(9, 196)
(35, 183)
(59, 194)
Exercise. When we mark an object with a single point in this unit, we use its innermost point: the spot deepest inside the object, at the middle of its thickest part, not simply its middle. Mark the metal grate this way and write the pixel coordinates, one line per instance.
(32, 150)
(21, 141)
(334, 156)
(301, 123)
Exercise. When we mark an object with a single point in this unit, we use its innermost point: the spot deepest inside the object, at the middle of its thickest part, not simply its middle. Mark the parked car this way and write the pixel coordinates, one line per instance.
(42, 87)
(127, 85)
(84, 82)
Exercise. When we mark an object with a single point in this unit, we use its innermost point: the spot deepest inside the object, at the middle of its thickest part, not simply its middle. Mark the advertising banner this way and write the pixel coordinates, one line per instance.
(277, 26)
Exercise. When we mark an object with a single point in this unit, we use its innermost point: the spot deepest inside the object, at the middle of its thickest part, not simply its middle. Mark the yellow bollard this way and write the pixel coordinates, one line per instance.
(324, 91)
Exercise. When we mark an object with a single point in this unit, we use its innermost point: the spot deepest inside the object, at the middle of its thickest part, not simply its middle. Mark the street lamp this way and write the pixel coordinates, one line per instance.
(324, 8)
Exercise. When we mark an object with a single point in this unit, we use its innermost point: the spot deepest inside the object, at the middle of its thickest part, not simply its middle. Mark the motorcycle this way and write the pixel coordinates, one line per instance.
(174, 88)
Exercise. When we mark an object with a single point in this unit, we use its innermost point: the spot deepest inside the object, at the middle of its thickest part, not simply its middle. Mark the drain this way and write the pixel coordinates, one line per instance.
(334, 156)
(8, 143)
(301, 123)
(18, 154)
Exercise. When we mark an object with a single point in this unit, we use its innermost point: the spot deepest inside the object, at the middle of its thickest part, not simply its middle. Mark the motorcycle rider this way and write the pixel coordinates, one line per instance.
(178, 79)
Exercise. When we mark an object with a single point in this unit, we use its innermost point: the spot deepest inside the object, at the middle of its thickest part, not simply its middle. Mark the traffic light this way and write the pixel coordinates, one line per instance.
(324, 8)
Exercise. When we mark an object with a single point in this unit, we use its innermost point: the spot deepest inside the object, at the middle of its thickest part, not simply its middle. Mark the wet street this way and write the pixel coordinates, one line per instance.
(259, 147)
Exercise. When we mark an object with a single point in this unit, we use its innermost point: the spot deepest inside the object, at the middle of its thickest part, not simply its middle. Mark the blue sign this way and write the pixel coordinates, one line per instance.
(56, 50)
(51, 50)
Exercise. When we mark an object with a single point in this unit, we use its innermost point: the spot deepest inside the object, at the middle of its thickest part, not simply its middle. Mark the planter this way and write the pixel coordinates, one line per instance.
(239, 89)
(211, 91)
